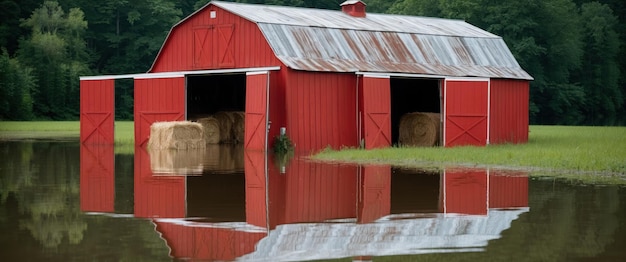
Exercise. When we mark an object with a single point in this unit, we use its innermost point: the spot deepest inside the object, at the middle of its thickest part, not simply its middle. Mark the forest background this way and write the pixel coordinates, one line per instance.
(573, 48)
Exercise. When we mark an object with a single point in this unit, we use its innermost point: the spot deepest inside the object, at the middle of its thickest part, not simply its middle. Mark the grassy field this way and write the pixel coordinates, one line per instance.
(64, 130)
(591, 154)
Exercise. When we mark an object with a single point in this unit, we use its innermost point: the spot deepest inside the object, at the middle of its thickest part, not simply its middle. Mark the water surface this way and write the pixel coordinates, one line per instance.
(61, 201)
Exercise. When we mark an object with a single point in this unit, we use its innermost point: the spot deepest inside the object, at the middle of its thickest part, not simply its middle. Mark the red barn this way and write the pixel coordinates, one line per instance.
(331, 78)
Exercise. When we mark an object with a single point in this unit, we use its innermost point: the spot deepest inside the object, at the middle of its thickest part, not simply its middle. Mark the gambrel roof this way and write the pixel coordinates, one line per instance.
(333, 41)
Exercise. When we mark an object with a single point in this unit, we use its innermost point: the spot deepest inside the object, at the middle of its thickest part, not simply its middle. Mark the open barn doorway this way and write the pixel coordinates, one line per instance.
(411, 95)
(218, 101)
(209, 94)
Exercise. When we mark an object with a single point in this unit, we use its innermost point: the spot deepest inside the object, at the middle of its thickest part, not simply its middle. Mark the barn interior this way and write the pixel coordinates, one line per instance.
(410, 95)
(209, 94)
(217, 198)
(415, 191)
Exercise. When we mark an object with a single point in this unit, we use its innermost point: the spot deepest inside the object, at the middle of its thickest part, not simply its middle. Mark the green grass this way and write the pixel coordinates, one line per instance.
(592, 154)
(64, 130)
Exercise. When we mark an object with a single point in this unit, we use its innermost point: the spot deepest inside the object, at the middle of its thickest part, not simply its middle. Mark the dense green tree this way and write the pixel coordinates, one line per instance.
(16, 85)
(599, 74)
(11, 11)
(56, 52)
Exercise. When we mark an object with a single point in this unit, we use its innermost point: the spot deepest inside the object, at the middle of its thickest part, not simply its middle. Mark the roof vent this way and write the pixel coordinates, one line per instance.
(354, 8)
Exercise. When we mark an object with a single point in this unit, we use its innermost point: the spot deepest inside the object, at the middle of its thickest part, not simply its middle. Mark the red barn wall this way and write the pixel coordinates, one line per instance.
(316, 192)
(509, 111)
(276, 105)
(226, 41)
(320, 110)
(508, 190)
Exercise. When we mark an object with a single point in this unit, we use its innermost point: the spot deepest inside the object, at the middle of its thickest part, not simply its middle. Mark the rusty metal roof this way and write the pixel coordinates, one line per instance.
(327, 40)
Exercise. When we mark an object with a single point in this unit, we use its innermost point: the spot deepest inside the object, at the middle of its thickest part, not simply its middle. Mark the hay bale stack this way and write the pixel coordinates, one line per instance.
(225, 120)
(180, 135)
(239, 124)
(176, 162)
(419, 129)
(211, 128)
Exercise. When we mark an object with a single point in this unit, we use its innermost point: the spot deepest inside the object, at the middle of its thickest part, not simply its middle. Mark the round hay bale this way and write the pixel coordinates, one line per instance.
(179, 135)
(419, 129)
(239, 124)
(226, 124)
(211, 130)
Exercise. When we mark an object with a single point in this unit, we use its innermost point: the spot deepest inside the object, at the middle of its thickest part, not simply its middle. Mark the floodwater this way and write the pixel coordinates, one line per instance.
(60, 201)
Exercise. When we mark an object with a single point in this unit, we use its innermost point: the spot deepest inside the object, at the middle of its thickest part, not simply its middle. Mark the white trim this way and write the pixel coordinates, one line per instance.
(374, 74)
(107, 77)
(358, 114)
(445, 205)
(256, 73)
(488, 180)
(444, 112)
(478, 79)
(179, 73)
(488, 112)
(267, 115)
(158, 75)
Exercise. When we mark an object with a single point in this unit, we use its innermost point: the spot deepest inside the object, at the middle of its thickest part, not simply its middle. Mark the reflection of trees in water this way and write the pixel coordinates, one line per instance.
(44, 178)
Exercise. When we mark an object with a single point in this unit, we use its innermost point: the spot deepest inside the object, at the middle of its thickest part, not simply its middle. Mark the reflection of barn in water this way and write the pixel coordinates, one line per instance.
(259, 211)
(349, 89)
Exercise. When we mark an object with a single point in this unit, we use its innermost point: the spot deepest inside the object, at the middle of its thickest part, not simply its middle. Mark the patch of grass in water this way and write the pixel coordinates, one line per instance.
(594, 154)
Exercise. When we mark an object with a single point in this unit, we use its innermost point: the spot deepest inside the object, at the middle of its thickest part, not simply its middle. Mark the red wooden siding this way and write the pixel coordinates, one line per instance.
(315, 192)
(465, 112)
(509, 111)
(97, 107)
(276, 192)
(256, 111)
(97, 178)
(256, 200)
(376, 115)
(226, 41)
(509, 190)
(277, 105)
(157, 99)
(157, 196)
(320, 110)
(465, 192)
(375, 193)
(197, 241)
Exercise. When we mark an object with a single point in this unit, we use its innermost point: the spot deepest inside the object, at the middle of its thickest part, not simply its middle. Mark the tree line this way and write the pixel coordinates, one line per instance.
(573, 49)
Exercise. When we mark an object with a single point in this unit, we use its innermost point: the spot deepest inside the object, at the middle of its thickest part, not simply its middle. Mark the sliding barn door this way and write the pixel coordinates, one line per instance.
(97, 107)
(157, 100)
(466, 112)
(256, 122)
(376, 104)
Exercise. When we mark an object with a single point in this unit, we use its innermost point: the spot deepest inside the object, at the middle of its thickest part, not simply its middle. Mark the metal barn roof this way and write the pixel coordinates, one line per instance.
(326, 40)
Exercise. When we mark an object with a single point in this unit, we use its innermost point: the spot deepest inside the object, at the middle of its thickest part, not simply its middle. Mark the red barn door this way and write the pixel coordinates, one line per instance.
(97, 104)
(257, 99)
(465, 108)
(97, 178)
(376, 111)
(465, 191)
(256, 186)
(157, 99)
(375, 193)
